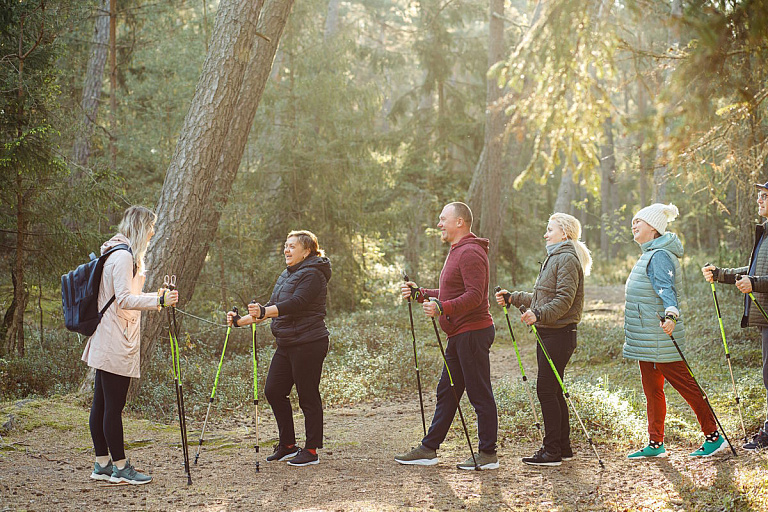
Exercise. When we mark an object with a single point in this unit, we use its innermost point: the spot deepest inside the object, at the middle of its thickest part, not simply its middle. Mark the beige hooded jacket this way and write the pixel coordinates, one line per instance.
(115, 346)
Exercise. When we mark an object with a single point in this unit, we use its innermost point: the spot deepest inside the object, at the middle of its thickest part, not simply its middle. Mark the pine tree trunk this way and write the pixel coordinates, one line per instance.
(81, 150)
(491, 210)
(179, 245)
(215, 135)
(608, 176)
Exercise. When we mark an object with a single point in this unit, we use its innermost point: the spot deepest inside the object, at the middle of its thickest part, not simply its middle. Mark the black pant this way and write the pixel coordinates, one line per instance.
(106, 421)
(469, 361)
(302, 366)
(560, 344)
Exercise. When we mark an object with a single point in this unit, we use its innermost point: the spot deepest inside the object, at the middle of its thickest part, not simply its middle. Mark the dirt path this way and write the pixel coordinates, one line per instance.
(46, 459)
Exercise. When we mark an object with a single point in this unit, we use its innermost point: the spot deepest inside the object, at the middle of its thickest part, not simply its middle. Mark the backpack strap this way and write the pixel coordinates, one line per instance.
(121, 247)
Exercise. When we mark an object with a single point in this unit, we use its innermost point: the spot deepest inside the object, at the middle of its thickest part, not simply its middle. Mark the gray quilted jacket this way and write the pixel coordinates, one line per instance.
(558, 294)
(759, 283)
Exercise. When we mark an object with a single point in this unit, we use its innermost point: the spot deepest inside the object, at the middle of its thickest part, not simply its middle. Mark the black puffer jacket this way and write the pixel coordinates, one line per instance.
(308, 324)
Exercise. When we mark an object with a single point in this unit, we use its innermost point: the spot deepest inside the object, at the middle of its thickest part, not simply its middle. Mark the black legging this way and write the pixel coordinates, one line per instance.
(106, 421)
(301, 365)
(560, 344)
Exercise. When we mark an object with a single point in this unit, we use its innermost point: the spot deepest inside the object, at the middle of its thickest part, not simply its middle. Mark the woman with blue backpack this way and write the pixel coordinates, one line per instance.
(114, 348)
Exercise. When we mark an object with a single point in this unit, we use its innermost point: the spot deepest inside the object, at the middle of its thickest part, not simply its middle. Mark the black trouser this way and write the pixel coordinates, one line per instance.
(560, 344)
(106, 421)
(300, 365)
(468, 359)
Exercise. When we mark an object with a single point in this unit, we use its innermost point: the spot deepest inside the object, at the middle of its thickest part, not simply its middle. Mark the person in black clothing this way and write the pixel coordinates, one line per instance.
(297, 307)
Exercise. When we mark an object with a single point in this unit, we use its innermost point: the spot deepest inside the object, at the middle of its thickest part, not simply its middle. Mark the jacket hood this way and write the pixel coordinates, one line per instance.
(667, 241)
(115, 241)
(321, 263)
(471, 238)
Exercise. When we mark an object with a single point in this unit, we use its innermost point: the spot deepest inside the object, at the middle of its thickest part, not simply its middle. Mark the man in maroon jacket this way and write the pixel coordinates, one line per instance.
(463, 310)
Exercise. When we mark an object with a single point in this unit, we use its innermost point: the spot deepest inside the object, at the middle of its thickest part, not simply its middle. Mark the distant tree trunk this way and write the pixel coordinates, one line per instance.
(81, 149)
(113, 83)
(660, 168)
(332, 19)
(209, 151)
(644, 154)
(566, 192)
(486, 203)
(607, 186)
(414, 237)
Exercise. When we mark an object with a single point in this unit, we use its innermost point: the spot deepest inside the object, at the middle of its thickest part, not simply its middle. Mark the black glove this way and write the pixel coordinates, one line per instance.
(236, 317)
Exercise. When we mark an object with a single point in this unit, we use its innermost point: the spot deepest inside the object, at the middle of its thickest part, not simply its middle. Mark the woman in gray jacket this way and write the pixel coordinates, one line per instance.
(555, 307)
(114, 349)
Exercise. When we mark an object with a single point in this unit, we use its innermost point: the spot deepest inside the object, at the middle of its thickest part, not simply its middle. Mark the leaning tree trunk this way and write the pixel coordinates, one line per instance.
(194, 169)
(81, 149)
(566, 192)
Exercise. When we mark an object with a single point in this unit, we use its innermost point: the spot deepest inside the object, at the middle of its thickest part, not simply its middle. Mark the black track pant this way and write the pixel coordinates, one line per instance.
(560, 344)
(301, 365)
(106, 421)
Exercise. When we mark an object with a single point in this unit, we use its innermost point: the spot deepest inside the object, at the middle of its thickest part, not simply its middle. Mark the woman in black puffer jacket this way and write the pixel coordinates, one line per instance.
(297, 307)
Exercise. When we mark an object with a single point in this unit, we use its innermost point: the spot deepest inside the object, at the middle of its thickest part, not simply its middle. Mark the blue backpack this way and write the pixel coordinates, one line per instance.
(80, 294)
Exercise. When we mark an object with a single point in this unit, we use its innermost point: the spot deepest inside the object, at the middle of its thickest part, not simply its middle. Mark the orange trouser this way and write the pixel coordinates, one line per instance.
(677, 375)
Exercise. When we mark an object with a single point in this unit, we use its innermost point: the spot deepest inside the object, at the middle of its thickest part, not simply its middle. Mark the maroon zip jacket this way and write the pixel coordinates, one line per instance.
(463, 288)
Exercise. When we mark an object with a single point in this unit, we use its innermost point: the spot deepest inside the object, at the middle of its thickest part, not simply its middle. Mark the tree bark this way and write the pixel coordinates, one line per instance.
(331, 19)
(81, 149)
(491, 209)
(607, 186)
(566, 192)
(660, 168)
(113, 83)
(209, 151)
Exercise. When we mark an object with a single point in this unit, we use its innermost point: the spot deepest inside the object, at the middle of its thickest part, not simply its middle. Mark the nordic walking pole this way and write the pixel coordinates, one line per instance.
(567, 395)
(416, 357)
(754, 300)
(176, 356)
(703, 393)
(255, 387)
(520, 363)
(727, 356)
(213, 391)
(453, 388)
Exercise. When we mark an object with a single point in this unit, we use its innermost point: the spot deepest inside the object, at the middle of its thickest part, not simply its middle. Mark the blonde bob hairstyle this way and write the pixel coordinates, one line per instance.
(308, 240)
(572, 229)
(136, 225)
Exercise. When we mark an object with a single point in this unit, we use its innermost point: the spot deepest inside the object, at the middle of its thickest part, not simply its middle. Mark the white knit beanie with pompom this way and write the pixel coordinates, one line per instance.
(658, 215)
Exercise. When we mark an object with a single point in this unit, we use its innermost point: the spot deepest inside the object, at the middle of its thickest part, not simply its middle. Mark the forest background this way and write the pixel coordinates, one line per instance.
(240, 121)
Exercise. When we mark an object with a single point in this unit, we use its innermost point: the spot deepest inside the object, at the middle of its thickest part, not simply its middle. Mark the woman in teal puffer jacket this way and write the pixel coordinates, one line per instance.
(652, 292)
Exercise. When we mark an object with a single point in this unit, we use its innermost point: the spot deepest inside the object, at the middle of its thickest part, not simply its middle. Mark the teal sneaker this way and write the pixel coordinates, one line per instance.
(128, 475)
(648, 452)
(710, 448)
(102, 472)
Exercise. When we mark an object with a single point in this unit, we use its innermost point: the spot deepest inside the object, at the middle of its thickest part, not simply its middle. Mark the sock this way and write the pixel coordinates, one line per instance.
(103, 460)
(655, 444)
(313, 451)
(713, 436)
(120, 464)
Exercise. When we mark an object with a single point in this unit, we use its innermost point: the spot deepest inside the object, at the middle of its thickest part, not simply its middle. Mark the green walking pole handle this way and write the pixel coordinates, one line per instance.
(255, 387)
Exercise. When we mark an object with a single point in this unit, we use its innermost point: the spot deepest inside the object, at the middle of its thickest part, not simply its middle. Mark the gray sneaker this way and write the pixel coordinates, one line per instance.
(484, 461)
(128, 475)
(421, 456)
(102, 473)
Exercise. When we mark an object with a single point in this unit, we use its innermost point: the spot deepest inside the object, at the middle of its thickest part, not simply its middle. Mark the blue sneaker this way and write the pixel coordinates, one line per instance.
(102, 472)
(709, 448)
(128, 475)
(648, 452)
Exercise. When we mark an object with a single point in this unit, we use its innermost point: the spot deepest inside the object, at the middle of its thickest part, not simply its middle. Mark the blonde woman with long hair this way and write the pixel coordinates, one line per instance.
(114, 349)
(555, 308)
